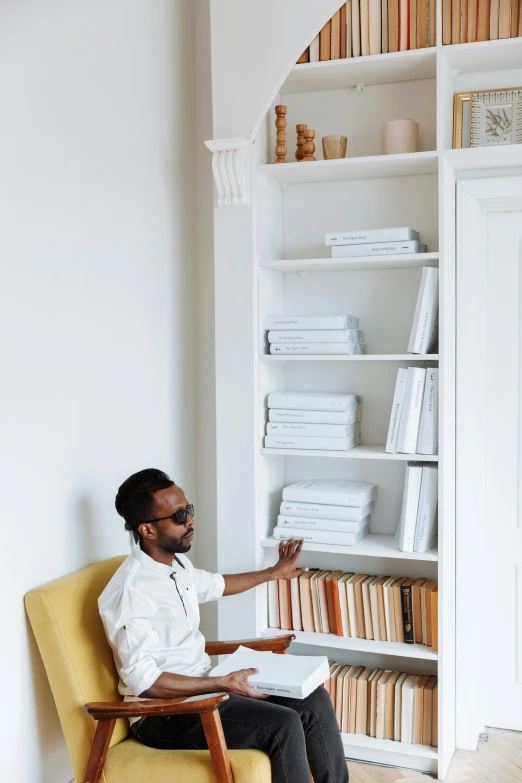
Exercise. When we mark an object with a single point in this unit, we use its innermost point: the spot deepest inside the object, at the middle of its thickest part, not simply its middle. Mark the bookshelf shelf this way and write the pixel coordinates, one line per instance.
(373, 69)
(373, 545)
(370, 167)
(396, 649)
(499, 55)
(360, 747)
(359, 452)
(410, 260)
(385, 357)
(478, 158)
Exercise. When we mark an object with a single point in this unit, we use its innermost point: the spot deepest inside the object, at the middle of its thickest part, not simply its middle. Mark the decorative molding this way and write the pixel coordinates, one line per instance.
(231, 169)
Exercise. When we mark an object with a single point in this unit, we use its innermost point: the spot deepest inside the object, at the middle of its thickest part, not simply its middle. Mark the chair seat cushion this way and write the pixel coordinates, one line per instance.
(132, 762)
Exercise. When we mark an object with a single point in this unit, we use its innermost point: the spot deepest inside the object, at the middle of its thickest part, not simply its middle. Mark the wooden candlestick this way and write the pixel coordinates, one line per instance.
(280, 124)
(309, 144)
(299, 153)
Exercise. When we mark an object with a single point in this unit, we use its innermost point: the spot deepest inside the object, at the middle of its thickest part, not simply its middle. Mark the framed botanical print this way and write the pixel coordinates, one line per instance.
(487, 118)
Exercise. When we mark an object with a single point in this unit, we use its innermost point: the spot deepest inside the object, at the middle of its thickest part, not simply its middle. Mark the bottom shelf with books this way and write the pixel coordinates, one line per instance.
(360, 747)
(399, 649)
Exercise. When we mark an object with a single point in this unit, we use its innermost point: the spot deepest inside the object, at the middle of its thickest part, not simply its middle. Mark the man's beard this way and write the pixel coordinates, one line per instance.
(174, 545)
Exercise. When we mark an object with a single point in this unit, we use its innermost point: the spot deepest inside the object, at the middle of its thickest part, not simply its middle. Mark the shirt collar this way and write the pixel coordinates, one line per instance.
(149, 562)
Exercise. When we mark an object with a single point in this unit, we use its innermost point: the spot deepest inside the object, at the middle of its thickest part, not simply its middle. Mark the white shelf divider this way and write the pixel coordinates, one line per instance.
(370, 167)
(360, 747)
(372, 545)
(402, 261)
(334, 642)
(359, 452)
(376, 357)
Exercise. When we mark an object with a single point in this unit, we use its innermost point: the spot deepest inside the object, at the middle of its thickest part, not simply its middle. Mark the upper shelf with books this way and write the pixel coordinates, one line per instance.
(372, 69)
(479, 56)
(355, 262)
(370, 167)
(372, 545)
(358, 452)
(332, 641)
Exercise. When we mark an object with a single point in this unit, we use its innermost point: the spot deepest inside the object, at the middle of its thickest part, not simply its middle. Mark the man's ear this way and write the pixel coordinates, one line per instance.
(147, 531)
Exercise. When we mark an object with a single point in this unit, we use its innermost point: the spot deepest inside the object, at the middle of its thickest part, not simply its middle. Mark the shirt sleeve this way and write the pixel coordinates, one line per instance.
(126, 616)
(209, 587)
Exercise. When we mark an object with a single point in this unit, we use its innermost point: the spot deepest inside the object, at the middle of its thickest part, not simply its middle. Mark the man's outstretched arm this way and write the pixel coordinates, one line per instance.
(285, 568)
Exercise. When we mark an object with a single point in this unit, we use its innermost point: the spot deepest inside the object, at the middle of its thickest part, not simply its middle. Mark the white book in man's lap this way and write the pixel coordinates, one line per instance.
(293, 676)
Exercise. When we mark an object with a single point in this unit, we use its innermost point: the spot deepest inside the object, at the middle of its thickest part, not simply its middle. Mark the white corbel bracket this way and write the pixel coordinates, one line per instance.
(231, 168)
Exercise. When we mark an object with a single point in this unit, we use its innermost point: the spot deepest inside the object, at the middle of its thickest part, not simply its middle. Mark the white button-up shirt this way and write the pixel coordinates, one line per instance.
(151, 617)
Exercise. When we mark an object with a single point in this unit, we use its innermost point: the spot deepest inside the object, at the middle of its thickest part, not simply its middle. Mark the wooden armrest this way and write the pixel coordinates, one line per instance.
(276, 644)
(206, 705)
(107, 710)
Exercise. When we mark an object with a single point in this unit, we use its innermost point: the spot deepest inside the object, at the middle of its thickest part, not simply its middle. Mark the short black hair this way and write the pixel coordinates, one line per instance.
(134, 500)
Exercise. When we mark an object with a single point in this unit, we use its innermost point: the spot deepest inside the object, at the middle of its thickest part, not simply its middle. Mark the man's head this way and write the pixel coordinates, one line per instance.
(155, 510)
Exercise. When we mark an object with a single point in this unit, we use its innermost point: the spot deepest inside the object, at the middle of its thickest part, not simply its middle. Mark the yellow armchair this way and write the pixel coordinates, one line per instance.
(84, 682)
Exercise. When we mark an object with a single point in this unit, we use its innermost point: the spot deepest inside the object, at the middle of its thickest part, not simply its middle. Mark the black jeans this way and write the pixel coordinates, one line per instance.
(299, 735)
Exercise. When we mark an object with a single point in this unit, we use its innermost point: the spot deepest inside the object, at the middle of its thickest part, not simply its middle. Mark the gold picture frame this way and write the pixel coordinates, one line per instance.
(462, 117)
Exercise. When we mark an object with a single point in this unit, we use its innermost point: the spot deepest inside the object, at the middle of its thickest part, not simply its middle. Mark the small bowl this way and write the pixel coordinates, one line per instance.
(334, 147)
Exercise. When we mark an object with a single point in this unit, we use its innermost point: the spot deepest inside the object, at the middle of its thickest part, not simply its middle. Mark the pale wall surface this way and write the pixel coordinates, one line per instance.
(96, 304)
(255, 43)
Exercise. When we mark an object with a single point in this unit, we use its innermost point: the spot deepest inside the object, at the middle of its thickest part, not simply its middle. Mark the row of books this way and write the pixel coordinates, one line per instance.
(374, 242)
(357, 606)
(313, 420)
(385, 704)
(342, 515)
(335, 334)
(363, 27)
(413, 427)
(417, 528)
(465, 21)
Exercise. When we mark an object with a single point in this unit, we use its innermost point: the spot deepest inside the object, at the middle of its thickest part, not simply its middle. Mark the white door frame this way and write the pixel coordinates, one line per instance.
(475, 198)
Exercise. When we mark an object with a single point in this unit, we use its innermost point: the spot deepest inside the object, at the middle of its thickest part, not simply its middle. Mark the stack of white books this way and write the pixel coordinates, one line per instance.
(313, 420)
(374, 242)
(418, 522)
(414, 417)
(326, 511)
(334, 334)
(424, 331)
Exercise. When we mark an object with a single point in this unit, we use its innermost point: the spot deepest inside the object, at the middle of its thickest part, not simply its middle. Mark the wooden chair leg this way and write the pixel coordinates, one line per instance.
(99, 748)
(217, 746)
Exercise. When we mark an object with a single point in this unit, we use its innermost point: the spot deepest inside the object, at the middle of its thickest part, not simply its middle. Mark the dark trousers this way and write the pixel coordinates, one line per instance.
(299, 735)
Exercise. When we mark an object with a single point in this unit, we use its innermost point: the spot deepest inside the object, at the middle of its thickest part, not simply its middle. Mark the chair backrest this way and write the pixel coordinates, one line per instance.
(77, 658)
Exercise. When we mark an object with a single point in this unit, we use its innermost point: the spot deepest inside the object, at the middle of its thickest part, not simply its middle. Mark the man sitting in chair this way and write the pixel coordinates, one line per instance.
(151, 617)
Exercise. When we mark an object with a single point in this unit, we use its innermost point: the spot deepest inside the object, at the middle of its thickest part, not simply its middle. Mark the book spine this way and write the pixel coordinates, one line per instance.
(353, 336)
(365, 31)
(455, 21)
(483, 20)
(427, 510)
(407, 614)
(357, 498)
(334, 525)
(446, 21)
(411, 410)
(310, 444)
(422, 24)
(320, 511)
(404, 25)
(514, 18)
(289, 691)
(317, 349)
(427, 441)
(325, 37)
(433, 597)
(309, 402)
(384, 26)
(472, 21)
(320, 536)
(425, 312)
(306, 322)
(342, 31)
(312, 430)
(313, 417)
(410, 506)
(349, 52)
(395, 417)
(406, 247)
(413, 24)
(295, 604)
(314, 50)
(335, 36)
(371, 235)
(493, 19)
(504, 19)
(375, 26)
(432, 22)
(273, 604)
(338, 625)
(356, 31)
(393, 27)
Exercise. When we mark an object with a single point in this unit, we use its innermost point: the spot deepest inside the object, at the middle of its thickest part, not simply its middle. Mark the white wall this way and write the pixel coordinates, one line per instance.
(97, 304)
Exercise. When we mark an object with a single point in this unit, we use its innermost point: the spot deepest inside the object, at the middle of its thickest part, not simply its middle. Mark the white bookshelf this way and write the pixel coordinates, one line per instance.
(289, 272)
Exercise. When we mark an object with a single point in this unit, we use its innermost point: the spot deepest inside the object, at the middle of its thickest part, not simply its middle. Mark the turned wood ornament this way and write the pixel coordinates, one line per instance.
(309, 144)
(299, 153)
(280, 124)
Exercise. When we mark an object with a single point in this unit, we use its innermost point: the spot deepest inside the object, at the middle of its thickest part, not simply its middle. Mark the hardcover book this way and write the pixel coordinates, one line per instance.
(318, 349)
(428, 438)
(335, 525)
(321, 401)
(314, 443)
(315, 417)
(320, 536)
(363, 236)
(395, 417)
(424, 320)
(337, 492)
(411, 410)
(313, 430)
(307, 322)
(352, 336)
(294, 508)
(378, 249)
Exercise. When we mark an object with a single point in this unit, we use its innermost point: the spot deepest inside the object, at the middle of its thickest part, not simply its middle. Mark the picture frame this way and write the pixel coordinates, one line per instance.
(485, 118)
